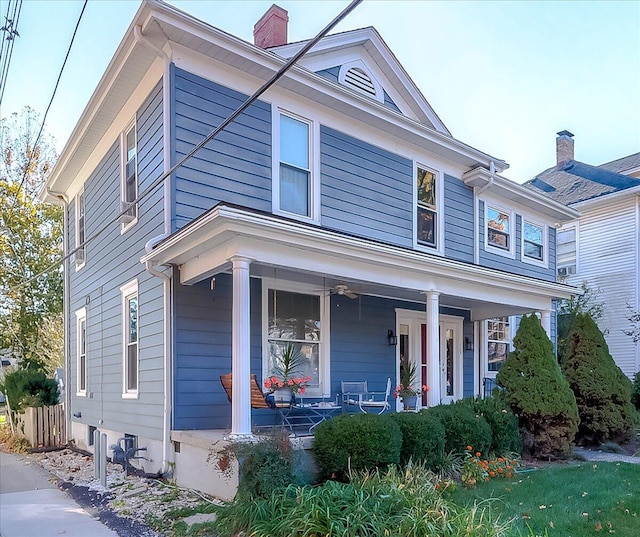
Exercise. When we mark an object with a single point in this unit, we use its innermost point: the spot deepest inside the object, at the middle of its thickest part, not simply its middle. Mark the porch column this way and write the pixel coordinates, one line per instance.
(433, 347)
(545, 320)
(240, 350)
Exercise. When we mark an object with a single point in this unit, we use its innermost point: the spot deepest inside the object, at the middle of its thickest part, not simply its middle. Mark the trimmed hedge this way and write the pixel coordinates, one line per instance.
(356, 442)
(635, 391)
(422, 438)
(463, 427)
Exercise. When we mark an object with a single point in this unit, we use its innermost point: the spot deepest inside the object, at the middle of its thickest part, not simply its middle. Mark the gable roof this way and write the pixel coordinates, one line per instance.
(576, 181)
(625, 165)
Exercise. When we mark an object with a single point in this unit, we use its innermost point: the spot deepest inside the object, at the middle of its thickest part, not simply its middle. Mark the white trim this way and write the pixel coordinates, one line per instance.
(506, 252)
(439, 246)
(324, 349)
(544, 262)
(124, 227)
(359, 64)
(126, 291)
(81, 316)
(458, 378)
(77, 226)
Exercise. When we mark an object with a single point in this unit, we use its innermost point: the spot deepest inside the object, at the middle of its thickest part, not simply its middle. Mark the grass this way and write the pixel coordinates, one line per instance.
(575, 500)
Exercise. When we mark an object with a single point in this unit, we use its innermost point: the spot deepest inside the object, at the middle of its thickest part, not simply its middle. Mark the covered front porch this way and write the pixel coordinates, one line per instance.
(245, 283)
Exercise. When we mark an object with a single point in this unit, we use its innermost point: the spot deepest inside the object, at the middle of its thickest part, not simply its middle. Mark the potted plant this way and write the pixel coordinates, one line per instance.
(406, 389)
(284, 384)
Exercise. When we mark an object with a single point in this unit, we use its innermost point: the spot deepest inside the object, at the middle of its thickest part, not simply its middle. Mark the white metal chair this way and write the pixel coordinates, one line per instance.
(357, 393)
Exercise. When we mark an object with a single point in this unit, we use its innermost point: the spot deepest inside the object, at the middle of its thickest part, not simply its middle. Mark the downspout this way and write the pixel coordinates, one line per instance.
(476, 220)
(65, 308)
(167, 453)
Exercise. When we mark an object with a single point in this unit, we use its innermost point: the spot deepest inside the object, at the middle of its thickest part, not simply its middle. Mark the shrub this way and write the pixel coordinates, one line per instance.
(462, 427)
(356, 442)
(635, 390)
(29, 387)
(602, 390)
(422, 438)
(538, 394)
(505, 434)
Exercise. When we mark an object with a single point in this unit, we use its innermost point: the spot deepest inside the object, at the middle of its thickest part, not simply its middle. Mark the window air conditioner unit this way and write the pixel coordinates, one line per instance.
(562, 271)
(126, 218)
(78, 256)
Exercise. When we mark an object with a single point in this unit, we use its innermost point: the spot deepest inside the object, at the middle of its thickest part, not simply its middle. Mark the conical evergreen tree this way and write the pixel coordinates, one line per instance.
(602, 390)
(538, 394)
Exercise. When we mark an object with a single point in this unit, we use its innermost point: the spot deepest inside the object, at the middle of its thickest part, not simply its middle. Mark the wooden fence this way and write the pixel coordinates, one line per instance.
(44, 426)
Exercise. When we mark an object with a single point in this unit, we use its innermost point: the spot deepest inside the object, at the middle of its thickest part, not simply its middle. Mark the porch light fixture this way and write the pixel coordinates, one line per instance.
(393, 339)
(468, 344)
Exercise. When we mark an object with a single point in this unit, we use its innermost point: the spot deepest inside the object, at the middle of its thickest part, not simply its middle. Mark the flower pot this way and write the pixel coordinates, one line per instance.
(282, 397)
(410, 403)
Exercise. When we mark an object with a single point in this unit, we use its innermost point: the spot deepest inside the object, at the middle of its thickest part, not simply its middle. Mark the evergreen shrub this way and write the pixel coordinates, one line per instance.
(538, 394)
(635, 390)
(602, 390)
(29, 388)
(422, 438)
(463, 427)
(356, 442)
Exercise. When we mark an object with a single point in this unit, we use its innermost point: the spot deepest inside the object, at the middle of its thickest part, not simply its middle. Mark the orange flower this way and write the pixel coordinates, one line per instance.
(478, 453)
(492, 473)
(500, 459)
(469, 448)
(500, 470)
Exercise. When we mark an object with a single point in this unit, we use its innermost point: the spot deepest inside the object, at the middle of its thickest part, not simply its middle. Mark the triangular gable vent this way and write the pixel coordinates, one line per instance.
(359, 79)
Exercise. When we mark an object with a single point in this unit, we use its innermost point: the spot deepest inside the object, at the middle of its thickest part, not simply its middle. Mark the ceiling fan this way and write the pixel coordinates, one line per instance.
(342, 289)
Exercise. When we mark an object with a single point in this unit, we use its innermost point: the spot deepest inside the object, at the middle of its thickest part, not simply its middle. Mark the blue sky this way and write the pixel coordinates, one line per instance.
(504, 76)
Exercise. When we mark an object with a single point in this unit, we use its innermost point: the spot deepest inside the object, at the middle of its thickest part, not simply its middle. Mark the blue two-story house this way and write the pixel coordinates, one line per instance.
(336, 213)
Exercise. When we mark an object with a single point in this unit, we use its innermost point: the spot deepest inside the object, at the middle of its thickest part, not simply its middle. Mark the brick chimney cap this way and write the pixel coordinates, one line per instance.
(565, 133)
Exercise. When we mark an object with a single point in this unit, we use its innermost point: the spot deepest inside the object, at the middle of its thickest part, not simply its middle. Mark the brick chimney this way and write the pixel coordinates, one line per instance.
(564, 148)
(271, 29)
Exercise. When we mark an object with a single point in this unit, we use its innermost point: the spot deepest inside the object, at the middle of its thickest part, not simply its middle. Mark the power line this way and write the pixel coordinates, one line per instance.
(286, 67)
(10, 32)
(55, 89)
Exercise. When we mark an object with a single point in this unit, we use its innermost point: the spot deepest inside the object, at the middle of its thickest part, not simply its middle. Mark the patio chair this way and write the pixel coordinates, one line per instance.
(258, 399)
(357, 393)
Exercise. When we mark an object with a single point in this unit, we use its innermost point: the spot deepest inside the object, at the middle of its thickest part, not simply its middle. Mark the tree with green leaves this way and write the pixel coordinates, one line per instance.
(30, 242)
(602, 390)
(538, 393)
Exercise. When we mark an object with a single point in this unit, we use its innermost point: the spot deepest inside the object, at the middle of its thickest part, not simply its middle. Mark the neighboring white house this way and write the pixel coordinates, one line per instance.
(602, 246)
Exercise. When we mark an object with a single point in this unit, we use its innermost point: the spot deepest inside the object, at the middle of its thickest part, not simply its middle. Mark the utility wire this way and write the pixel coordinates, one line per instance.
(55, 89)
(10, 30)
(286, 67)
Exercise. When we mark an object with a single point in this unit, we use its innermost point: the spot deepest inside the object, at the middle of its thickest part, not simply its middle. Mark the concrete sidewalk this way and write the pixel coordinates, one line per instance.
(31, 506)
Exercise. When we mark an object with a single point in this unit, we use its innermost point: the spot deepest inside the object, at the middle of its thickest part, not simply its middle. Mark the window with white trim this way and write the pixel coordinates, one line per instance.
(498, 229)
(129, 164)
(294, 175)
(533, 243)
(80, 253)
(81, 352)
(566, 252)
(130, 332)
(297, 318)
(427, 207)
(498, 342)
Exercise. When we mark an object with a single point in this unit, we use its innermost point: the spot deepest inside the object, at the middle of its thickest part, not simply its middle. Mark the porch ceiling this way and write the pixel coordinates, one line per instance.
(310, 254)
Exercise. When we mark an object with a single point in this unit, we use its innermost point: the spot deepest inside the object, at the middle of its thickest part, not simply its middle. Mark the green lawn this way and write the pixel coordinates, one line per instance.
(577, 500)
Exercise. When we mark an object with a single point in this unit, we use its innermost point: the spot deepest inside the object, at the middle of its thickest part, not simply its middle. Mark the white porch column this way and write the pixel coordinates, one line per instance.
(545, 320)
(240, 350)
(433, 348)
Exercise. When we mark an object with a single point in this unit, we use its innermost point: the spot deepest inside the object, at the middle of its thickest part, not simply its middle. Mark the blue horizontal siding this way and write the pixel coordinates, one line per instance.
(365, 190)
(235, 167)
(459, 236)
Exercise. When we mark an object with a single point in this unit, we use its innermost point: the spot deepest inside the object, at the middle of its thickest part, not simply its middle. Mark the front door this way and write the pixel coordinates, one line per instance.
(450, 358)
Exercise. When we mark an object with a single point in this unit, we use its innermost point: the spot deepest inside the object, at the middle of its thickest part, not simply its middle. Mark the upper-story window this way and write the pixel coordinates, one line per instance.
(499, 232)
(427, 207)
(533, 242)
(129, 188)
(81, 352)
(80, 253)
(295, 188)
(566, 252)
(130, 317)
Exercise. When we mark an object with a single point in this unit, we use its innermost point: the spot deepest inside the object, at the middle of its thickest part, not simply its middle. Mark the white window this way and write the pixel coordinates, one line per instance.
(130, 325)
(498, 343)
(295, 188)
(296, 316)
(534, 242)
(80, 253)
(499, 230)
(129, 165)
(81, 352)
(427, 227)
(566, 252)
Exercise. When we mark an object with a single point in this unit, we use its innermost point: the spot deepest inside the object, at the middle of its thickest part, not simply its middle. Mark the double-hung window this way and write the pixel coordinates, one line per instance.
(130, 324)
(498, 342)
(427, 207)
(129, 175)
(498, 229)
(533, 242)
(81, 352)
(566, 252)
(295, 179)
(296, 319)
